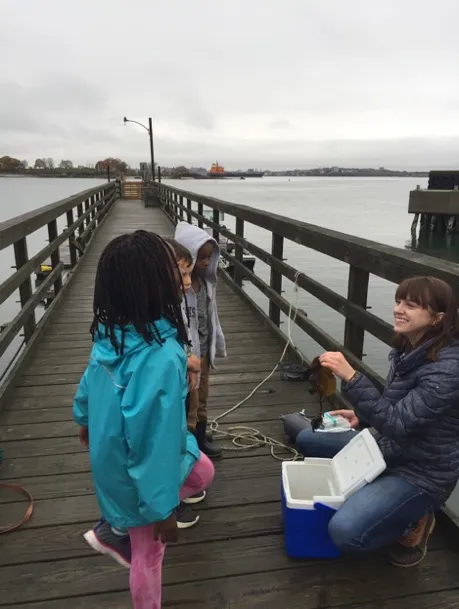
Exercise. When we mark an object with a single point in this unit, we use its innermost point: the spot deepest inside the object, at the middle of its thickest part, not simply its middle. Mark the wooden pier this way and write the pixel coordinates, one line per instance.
(234, 558)
(436, 208)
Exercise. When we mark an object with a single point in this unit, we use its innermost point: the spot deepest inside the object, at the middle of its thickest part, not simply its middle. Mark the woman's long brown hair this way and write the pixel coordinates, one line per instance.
(437, 297)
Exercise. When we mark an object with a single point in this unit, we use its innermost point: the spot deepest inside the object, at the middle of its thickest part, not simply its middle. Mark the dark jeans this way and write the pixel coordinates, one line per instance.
(376, 515)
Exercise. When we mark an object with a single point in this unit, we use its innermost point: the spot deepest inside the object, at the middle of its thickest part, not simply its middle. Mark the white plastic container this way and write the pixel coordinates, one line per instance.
(313, 489)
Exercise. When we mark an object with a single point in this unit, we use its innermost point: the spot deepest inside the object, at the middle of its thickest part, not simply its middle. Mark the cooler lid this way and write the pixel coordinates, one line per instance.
(358, 463)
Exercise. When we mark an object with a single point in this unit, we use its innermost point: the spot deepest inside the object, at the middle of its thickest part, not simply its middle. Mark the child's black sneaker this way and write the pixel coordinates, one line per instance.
(197, 498)
(102, 539)
(412, 548)
(185, 516)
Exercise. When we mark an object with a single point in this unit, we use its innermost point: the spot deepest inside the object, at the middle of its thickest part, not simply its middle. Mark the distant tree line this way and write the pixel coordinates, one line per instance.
(47, 166)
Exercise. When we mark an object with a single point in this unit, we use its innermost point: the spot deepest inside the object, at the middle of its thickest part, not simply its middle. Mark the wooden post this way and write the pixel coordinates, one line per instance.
(25, 289)
(277, 250)
(188, 215)
(357, 293)
(55, 256)
(80, 213)
(239, 251)
(216, 220)
(175, 208)
(87, 205)
(159, 174)
(94, 200)
(181, 209)
(72, 248)
(200, 212)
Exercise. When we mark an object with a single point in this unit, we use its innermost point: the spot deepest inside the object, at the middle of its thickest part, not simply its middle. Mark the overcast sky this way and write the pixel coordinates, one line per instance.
(250, 83)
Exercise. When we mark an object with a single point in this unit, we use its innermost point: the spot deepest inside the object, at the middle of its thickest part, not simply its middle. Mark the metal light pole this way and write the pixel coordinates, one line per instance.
(150, 134)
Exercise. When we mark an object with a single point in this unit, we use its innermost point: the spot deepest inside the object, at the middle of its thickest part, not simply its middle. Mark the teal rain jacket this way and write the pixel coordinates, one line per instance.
(134, 407)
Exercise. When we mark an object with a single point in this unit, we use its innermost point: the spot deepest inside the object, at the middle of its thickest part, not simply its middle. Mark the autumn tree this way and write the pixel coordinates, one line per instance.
(9, 163)
(114, 164)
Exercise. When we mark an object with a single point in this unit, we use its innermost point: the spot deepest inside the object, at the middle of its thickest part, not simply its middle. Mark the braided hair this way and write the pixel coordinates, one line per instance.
(137, 282)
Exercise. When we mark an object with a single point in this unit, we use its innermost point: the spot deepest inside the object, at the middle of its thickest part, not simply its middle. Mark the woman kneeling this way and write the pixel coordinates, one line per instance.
(416, 419)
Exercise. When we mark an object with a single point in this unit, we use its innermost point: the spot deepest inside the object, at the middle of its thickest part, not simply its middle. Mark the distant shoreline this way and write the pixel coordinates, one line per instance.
(166, 177)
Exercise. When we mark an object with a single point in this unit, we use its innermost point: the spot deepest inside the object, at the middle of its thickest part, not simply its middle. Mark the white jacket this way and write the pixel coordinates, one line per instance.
(193, 238)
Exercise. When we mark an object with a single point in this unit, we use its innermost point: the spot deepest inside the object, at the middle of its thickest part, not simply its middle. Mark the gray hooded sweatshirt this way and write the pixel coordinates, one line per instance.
(193, 238)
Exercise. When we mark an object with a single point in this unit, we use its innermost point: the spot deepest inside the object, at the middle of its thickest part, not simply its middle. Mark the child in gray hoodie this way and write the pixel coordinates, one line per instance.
(207, 340)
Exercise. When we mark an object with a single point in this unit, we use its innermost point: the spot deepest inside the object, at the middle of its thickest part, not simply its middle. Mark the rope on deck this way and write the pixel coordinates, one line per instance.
(243, 437)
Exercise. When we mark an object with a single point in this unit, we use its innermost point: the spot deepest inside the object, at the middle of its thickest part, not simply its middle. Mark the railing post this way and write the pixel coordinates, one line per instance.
(175, 212)
(55, 256)
(80, 213)
(72, 248)
(357, 293)
(239, 251)
(200, 212)
(188, 215)
(25, 289)
(277, 250)
(94, 200)
(216, 220)
(87, 205)
(169, 203)
(181, 209)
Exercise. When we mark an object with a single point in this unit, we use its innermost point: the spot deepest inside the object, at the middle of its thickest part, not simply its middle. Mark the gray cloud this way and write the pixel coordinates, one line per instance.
(251, 83)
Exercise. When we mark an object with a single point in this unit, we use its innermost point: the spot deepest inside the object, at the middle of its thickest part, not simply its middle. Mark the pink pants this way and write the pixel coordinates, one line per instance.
(147, 554)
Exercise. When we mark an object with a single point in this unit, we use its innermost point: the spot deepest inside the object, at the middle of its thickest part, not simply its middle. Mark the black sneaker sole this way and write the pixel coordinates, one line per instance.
(187, 525)
(194, 500)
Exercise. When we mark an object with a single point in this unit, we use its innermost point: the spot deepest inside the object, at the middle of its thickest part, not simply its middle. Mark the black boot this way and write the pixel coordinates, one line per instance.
(212, 451)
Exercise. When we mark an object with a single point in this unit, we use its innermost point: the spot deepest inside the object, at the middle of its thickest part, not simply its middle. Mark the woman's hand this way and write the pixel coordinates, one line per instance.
(83, 435)
(166, 530)
(194, 363)
(338, 364)
(349, 415)
(192, 380)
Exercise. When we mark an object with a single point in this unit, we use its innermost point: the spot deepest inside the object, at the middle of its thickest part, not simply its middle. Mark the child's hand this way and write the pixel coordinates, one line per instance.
(166, 530)
(194, 363)
(83, 434)
(192, 380)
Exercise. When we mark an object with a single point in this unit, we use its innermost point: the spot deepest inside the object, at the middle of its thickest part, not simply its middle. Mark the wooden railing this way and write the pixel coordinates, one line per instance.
(364, 257)
(82, 214)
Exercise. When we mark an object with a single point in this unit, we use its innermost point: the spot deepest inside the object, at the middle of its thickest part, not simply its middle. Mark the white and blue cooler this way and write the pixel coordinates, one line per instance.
(313, 489)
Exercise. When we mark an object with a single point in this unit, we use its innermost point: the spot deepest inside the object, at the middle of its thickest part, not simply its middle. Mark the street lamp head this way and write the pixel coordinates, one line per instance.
(125, 120)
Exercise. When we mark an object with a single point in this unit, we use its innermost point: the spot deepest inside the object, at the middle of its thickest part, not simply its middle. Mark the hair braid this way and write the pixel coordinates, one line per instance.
(136, 283)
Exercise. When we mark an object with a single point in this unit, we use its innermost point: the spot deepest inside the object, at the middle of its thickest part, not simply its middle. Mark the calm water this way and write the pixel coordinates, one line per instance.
(18, 196)
(374, 208)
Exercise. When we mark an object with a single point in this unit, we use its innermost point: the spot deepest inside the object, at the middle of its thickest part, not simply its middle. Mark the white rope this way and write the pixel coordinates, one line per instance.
(245, 438)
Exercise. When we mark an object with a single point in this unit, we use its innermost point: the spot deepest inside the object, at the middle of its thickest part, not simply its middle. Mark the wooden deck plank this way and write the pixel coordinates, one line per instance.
(271, 596)
(235, 557)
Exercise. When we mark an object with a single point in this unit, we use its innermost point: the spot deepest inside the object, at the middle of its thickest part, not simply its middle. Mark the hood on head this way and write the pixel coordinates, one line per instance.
(193, 238)
(104, 352)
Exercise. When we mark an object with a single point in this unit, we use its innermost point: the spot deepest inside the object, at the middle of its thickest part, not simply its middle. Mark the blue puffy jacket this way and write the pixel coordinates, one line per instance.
(417, 416)
(134, 407)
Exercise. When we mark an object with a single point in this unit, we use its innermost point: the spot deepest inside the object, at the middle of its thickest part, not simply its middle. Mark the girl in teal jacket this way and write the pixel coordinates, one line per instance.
(130, 404)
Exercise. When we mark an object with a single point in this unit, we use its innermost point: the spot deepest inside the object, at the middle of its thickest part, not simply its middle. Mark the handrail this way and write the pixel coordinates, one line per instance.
(364, 257)
(83, 213)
